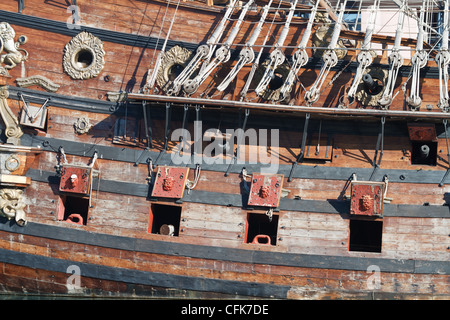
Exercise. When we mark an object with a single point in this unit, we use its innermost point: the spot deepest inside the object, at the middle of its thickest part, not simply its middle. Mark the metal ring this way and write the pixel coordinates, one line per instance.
(12, 163)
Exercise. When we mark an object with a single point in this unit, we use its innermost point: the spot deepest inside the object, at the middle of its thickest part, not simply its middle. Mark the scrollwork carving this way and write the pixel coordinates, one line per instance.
(13, 131)
(12, 205)
(39, 80)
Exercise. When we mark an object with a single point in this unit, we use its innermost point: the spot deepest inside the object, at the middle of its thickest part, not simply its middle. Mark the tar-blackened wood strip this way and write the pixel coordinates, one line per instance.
(141, 277)
(305, 171)
(239, 255)
(335, 279)
(240, 200)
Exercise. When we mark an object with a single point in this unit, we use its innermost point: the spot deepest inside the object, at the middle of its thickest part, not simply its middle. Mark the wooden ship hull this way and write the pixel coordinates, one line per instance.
(328, 195)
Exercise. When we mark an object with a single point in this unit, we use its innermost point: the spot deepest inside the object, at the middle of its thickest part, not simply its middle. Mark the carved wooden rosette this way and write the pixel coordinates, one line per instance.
(176, 56)
(82, 125)
(84, 57)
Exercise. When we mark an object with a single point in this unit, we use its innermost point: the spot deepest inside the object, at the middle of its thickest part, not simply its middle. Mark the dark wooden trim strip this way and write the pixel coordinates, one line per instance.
(62, 101)
(151, 42)
(54, 26)
(226, 254)
(165, 280)
(240, 200)
(303, 171)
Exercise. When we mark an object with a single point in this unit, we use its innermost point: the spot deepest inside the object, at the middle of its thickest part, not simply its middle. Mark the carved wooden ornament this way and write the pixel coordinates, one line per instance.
(84, 57)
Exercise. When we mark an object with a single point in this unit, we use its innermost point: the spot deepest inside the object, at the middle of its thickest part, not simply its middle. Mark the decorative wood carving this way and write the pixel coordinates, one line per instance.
(321, 39)
(367, 198)
(170, 182)
(38, 80)
(12, 205)
(265, 190)
(13, 131)
(175, 57)
(82, 125)
(75, 179)
(13, 55)
(84, 57)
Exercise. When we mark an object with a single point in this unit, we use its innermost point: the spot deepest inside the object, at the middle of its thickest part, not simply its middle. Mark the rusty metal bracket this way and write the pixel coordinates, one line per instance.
(170, 182)
(367, 198)
(265, 190)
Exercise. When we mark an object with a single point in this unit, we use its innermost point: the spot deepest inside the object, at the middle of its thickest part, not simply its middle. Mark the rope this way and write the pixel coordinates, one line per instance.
(191, 185)
(203, 52)
(299, 58)
(329, 58)
(222, 55)
(152, 79)
(256, 63)
(160, 31)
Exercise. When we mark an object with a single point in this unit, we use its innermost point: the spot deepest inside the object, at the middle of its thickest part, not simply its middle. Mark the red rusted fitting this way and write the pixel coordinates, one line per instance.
(73, 181)
(366, 202)
(168, 183)
(75, 218)
(265, 239)
(264, 191)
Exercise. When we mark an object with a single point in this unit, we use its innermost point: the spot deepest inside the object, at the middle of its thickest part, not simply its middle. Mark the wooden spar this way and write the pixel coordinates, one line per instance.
(299, 109)
(330, 11)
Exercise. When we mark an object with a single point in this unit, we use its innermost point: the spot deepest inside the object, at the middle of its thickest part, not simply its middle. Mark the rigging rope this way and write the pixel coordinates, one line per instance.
(223, 54)
(419, 60)
(151, 81)
(277, 56)
(247, 54)
(443, 59)
(256, 62)
(329, 58)
(364, 57)
(203, 52)
(395, 61)
(300, 57)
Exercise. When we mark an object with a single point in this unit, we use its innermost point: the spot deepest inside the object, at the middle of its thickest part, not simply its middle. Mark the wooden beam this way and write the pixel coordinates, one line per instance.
(331, 13)
(299, 109)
